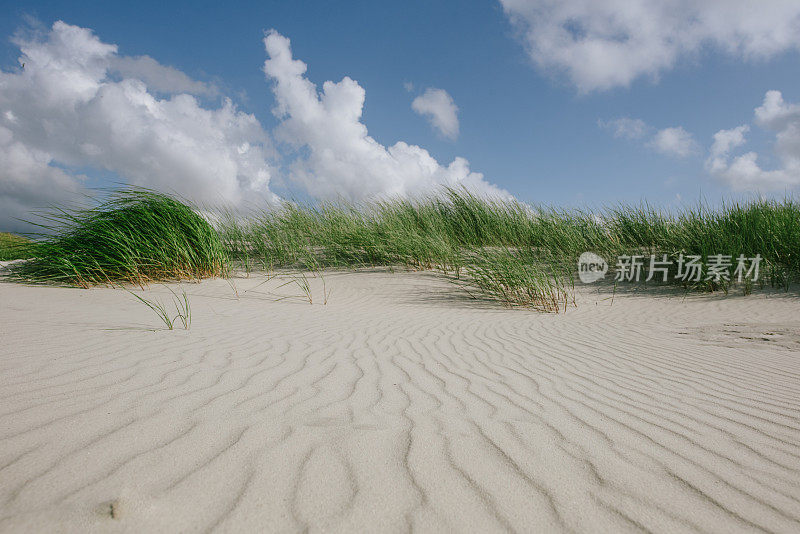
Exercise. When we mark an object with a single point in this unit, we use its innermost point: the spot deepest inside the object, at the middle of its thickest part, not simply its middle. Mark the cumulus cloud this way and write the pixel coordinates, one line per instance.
(159, 77)
(743, 172)
(673, 142)
(336, 155)
(28, 180)
(78, 108)
(625, 127)
(601, 45)
(724, 142)
(76, 105)
(438, 107)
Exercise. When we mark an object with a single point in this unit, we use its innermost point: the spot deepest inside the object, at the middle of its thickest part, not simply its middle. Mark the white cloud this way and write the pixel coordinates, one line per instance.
(438, 107)
(64, 110)
(673, 142)
(625, 127)
(775, 114)
(743, 173)
(29, 181)
(159, 77)
(339, 158)
(724, 142)
(78, 106)
(599, 45)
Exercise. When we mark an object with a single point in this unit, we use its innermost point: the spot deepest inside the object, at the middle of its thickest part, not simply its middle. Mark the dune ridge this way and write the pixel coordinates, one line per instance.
(400, 405)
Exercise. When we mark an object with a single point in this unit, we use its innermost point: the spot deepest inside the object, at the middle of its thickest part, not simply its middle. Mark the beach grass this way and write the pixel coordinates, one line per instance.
(521, 277)
(482, 239)
(520, 254)
(182, 308)
(136, 236)
(14, 247)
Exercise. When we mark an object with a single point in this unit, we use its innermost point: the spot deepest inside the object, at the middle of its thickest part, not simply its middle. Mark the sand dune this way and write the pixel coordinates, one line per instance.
(399, 405)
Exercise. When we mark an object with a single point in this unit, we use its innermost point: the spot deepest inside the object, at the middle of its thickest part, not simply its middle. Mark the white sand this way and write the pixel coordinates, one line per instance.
(400, 405)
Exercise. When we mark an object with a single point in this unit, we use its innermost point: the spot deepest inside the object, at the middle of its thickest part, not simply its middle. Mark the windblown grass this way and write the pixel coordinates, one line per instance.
(519, 254)
(510, 250)
(136, 236)
(14, 247)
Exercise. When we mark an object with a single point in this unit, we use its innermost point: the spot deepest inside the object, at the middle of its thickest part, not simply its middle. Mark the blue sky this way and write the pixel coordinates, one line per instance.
(528, 120)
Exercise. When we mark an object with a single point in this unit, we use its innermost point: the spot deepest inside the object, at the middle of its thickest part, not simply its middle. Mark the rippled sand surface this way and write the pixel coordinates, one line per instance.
(400, 405)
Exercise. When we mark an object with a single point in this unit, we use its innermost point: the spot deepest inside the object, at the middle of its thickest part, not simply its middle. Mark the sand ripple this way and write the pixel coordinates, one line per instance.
(400, 405)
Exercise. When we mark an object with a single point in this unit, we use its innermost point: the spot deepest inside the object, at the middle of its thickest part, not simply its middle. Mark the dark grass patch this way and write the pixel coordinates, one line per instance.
(14, 247)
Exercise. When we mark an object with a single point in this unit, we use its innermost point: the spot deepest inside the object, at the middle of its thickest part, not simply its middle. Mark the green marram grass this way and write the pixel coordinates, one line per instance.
(521, 255)
(136, 236)
(14, 247)
(522, 277)
(483, 240)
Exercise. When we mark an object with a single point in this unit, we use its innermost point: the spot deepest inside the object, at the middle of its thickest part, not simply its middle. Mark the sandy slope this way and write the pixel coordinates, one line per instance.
(400, 405)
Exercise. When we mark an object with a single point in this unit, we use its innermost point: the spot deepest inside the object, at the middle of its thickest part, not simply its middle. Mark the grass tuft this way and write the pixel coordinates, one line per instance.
(184, 311)
(137, 236)
(520, 278)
